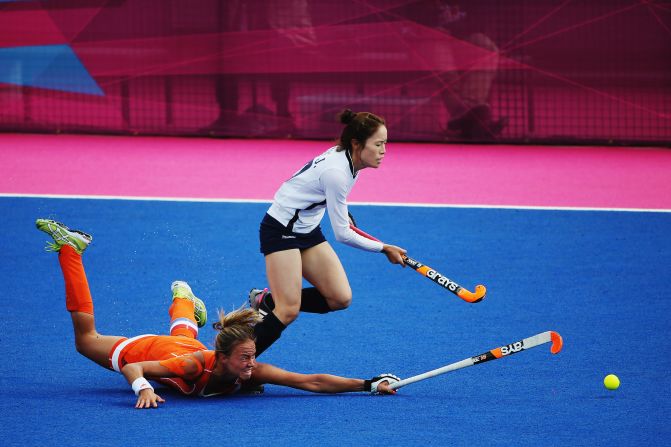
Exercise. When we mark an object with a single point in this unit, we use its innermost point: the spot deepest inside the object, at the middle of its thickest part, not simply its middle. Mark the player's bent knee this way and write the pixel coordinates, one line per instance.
(86, 344)
(83, 348)
(341, 302)
(287, 314)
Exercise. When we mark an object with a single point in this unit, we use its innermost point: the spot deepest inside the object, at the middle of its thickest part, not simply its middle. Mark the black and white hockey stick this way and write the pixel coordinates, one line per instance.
(503, 351)
(436, 276)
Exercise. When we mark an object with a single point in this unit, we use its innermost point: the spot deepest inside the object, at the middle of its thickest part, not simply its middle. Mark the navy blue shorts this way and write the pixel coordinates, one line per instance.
(276, 237)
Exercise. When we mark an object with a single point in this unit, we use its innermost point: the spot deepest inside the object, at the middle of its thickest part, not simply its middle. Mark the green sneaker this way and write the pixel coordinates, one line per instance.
(180, 289)
(63, 236)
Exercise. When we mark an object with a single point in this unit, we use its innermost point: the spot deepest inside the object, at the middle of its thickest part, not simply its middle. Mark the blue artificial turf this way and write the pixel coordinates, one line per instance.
(599, 278)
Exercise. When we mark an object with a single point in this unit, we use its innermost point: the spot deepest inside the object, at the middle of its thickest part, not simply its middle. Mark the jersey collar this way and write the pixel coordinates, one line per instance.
(348, 154)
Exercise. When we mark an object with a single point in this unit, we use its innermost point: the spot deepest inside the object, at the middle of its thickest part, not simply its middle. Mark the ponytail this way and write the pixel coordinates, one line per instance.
(234, 328)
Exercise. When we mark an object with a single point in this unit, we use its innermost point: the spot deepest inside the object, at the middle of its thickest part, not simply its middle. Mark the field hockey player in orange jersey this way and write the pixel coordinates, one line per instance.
(179, 359)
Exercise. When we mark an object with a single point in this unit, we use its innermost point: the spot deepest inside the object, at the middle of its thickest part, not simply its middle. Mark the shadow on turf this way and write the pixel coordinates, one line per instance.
(122, 397)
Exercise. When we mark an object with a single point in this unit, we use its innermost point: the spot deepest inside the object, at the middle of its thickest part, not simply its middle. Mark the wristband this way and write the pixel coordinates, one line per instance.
(366, 385)
(140, 384)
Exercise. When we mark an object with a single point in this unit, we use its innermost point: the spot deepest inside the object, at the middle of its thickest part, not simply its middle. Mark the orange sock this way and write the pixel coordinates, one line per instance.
(77, 293)
(182, 321)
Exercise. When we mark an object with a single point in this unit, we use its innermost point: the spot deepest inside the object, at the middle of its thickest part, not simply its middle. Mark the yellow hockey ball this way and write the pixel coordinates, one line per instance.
(611, 382)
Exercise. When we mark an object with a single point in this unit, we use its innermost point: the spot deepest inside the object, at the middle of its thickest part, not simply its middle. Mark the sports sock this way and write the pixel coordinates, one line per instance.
(312, 301)
(182, 321)
(77, 292)
(267, 332)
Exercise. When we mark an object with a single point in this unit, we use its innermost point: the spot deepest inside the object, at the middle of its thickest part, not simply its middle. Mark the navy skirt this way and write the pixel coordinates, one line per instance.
(276, 237)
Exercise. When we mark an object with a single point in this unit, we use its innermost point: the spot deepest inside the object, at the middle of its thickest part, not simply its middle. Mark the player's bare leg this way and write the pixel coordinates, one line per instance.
(70, 244)
(284, 271)
(89, 342)
(322, 268)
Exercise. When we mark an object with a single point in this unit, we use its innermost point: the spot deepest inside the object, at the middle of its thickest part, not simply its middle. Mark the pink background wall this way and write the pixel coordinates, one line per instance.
(593, 177)
(549, 71)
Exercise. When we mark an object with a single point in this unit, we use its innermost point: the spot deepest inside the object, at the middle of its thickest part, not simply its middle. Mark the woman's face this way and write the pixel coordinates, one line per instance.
(242, 360)
(373, 152)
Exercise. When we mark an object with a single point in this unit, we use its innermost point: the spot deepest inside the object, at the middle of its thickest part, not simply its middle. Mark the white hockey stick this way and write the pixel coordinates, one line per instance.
(513, 348)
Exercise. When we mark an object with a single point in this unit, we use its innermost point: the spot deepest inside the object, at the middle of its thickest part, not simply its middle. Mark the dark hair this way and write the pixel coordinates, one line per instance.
(358, 126)
(234, 328)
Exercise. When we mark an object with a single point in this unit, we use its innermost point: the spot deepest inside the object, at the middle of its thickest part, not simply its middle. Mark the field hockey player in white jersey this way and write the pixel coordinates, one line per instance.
(291, 238)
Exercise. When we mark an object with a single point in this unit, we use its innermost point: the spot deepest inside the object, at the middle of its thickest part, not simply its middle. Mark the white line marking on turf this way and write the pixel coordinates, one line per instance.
(401, 204)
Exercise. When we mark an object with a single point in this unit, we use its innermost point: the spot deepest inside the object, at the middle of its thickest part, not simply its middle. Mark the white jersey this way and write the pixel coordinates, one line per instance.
(323, 183)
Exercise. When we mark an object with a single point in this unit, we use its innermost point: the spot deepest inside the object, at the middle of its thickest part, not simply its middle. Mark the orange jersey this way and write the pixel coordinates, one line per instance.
(170, 350)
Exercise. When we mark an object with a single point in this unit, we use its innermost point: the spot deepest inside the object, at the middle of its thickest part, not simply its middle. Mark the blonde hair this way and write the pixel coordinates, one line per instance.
(234, 328)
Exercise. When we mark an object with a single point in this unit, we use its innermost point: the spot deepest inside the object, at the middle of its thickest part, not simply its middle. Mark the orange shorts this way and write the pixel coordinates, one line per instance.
(150, 347)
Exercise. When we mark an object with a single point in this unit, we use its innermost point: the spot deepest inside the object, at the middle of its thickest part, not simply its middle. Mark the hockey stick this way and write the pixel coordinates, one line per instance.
(435, 276)
(513, 348)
